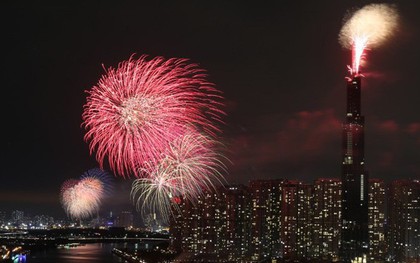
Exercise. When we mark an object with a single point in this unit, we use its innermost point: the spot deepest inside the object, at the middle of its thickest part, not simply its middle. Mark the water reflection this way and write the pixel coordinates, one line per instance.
(98, 252)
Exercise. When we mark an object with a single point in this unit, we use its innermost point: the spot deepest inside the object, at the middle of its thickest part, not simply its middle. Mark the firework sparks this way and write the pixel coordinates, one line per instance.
(67, 185)
(104, 177)
(154, 195)
(81, 198)
(190, 167)
(135, 110)
(369, 27)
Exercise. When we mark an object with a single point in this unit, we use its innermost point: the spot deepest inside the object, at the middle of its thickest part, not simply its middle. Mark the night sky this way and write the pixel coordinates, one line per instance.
(278, 64)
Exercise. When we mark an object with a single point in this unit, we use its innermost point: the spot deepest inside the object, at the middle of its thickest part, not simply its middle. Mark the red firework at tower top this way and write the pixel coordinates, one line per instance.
(368, 27)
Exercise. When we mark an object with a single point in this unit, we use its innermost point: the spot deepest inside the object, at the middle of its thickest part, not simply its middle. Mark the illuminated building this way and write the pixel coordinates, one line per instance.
(17, 217)
(326, 219)
(237, 222)
(186, 231)
(3, 216)
(377, 242)
(281, 218)
(125, 219)
(296, 220)
(265, 218)
(211, 227)
(404, 221)
(293, 222)
(176, 221)
(190, 227)
(216, 227)
(354, 233)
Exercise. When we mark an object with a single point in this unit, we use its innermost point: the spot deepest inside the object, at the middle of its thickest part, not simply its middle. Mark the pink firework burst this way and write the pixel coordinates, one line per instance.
(135, 110)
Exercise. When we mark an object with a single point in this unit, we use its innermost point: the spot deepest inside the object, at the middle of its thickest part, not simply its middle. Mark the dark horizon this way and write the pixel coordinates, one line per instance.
(279, 66)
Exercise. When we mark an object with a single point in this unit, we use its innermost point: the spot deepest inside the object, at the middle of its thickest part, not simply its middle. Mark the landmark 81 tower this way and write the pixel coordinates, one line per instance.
(354, 234)
(367, 27)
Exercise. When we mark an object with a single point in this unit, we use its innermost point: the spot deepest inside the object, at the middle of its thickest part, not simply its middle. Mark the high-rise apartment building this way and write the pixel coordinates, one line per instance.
(296, 220)
(377, 207)
(326, 219)
(211, 216)
(184, 227)
(354, 233)
(176, 224)
(237, 223)
(293, 221)
(125, 219)
(190, 221)
(404, 221)
(281, 219)
(214, 228)
(266, 200)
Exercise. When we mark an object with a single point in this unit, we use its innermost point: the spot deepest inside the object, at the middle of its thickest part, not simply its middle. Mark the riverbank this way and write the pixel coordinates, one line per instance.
(131, 258)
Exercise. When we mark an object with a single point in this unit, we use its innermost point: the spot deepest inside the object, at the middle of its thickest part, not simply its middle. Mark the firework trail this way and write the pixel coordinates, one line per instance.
(189, 167)
(82, 198)
(137, 109)
(368, 27)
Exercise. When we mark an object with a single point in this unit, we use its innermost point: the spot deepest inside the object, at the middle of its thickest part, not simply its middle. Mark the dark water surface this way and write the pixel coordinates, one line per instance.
(97, 252)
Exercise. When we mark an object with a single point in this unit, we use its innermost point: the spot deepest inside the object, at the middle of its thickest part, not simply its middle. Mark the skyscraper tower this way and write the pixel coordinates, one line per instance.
(354, 234)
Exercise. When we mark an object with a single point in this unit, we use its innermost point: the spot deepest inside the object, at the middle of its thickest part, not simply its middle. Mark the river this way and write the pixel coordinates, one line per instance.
(92, 253)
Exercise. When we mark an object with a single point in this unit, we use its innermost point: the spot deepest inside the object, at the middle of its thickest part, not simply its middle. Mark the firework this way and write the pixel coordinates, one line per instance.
(154, 195)
(65, 192)
(189, 167)
(82, 198)
(137, 109)
(104, 177)
(68, 184)
(369, 27)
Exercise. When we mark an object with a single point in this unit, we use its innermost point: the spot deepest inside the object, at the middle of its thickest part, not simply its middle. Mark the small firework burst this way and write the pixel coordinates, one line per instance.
(82, 198)
(104, 177)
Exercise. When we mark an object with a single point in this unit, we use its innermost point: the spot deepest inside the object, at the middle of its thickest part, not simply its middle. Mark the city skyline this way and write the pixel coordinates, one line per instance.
(281, 219)
(267, 219)
(280, 67)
